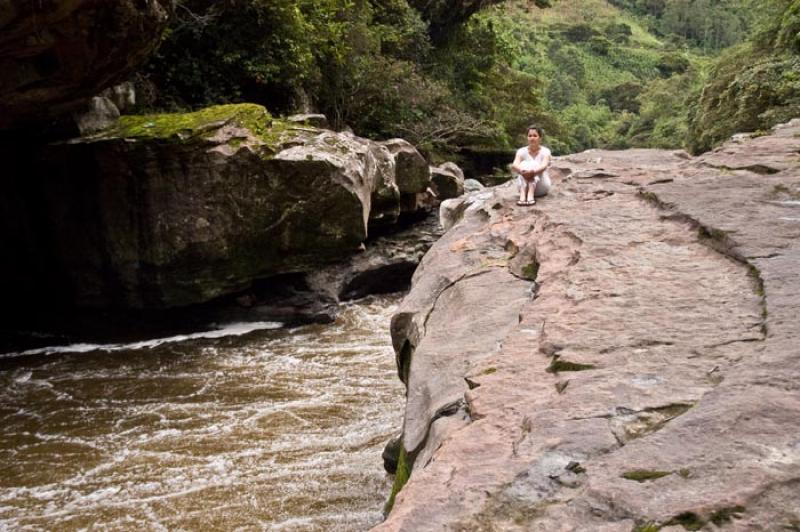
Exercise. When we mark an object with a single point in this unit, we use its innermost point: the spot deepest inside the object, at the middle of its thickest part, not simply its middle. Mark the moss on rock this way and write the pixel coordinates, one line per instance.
(187, 125)
(400, 478)
(642, 475)
(558, 365)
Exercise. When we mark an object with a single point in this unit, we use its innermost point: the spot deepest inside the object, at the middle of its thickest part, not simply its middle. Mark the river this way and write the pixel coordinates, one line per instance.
(233, 429)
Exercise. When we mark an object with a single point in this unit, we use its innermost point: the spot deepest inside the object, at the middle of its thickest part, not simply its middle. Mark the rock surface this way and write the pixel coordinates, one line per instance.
(385, 266)
(56, 54)
(171, 210)
(622, 356)
(448, 180)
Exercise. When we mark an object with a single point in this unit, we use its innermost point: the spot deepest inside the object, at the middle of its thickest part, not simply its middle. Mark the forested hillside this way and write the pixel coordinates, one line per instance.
(754, 85)
(449, 75)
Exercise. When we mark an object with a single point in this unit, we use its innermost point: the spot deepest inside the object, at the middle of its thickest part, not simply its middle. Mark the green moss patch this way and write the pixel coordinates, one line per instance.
(404, 361)
(186, 125)
(688, 520)
(400, 478)
(647, 527)
(643, 475)
(558, 365)
(726, 515)
(531, 271)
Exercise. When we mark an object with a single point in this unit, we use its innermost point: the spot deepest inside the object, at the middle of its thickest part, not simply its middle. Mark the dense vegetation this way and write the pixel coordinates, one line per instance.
(449, 74)
(709, 25)
(754, 85)
(368, 64)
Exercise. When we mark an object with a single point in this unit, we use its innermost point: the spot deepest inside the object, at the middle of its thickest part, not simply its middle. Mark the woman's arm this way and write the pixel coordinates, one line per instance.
(542, 167)
(516, 163)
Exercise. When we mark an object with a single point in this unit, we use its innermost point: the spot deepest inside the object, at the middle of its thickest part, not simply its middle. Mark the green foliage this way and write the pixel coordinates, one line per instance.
(589, 72)
(662, 116)
(225, 52)
(673, 63)
(755, 85)
(622, 97)
(367, 64)
(606, 82)
(710, 25)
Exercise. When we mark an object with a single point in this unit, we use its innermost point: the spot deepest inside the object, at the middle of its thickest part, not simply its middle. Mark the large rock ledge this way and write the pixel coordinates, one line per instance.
(647, 379)
(171, 210)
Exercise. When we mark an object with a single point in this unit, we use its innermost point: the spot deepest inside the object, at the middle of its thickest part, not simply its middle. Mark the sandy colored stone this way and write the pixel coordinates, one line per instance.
(653, 378)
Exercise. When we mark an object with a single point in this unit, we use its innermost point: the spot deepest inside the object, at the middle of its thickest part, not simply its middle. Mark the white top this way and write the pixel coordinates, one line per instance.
(523, 155)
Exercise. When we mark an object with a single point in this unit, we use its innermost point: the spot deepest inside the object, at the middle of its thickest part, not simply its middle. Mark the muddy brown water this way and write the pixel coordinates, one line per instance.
(274, 429)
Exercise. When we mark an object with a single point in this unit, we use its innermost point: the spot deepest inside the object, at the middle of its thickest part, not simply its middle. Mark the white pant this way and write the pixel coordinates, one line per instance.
(542, 187)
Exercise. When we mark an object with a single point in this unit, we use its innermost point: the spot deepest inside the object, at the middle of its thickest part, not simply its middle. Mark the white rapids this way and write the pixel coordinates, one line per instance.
(258, 428)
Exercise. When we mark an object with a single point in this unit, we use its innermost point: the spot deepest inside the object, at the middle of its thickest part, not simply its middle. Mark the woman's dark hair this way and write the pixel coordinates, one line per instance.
(538, 129)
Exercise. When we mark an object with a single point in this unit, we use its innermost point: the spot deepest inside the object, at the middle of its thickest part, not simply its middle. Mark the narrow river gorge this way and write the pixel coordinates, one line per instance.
(278, 429)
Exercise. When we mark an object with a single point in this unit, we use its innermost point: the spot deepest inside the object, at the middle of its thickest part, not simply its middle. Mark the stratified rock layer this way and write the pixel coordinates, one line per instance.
(647, 378)
(55, 54)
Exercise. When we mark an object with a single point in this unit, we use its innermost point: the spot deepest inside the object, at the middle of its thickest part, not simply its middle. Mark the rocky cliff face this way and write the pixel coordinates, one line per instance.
(56, 54)
(622, 356)
(171, 210)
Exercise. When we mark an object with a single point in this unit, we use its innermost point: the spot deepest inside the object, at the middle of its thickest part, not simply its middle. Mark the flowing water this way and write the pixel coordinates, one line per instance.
(238, 429)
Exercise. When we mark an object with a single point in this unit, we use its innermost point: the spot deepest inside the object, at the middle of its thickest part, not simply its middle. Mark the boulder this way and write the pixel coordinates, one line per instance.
(123, 96)
(448, 180)
(472, 185)
(171, 210)
(452, 210)
(412, 174)
(99, 113)
(55, 55)
(310, 119)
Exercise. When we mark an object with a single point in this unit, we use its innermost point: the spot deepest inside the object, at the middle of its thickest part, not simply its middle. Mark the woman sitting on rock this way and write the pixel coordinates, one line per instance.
(530, 166)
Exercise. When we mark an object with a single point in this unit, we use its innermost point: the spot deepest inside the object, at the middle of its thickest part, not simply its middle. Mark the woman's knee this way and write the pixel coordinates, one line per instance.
(541, 189)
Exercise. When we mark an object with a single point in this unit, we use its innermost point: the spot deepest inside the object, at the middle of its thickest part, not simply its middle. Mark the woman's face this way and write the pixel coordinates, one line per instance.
(533, 137)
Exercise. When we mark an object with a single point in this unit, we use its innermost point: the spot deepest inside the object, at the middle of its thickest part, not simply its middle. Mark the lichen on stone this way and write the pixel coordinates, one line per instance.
(643, 475)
